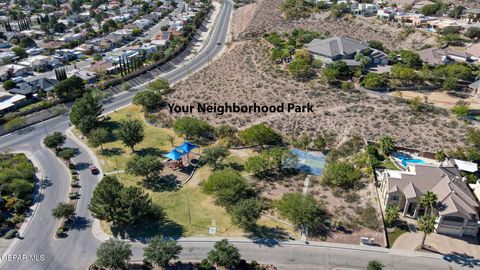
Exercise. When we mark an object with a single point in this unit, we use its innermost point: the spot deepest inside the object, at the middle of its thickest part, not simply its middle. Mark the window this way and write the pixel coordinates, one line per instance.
(453, 219)
(394, 197)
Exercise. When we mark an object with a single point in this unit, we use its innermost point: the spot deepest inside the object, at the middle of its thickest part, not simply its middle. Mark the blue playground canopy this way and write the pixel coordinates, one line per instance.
(186, 147)
(174, 155)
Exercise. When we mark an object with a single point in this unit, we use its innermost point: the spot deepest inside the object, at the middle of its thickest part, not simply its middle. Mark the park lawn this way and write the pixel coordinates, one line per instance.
(175, 204)
(156, 141)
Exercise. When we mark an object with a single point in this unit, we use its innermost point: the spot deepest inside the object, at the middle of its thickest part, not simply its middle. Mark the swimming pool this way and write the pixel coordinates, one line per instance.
(405, 159)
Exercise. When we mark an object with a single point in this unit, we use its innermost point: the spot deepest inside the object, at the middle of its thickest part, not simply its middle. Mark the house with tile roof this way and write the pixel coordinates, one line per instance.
(456, 209)
(343, 48)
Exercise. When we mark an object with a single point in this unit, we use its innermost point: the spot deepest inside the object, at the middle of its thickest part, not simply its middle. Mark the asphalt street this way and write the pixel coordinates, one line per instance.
(40, 250)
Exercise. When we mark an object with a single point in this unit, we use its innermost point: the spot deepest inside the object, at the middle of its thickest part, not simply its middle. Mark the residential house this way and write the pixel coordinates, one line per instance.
(363, 9)
(161, 39)
(32, 85)
(471, 15)
(103, 67)
(457, 208)
(7, 57)
(343, 48)
(142, 23)
(12, 70)
(387, 13)
(40, 62)
(34, 51)
(67, 54)
(437, 56)
(10, 102)
(87, 76)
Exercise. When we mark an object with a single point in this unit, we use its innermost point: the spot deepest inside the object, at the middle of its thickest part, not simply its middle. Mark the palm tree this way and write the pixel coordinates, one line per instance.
(426, 224)
(428, 200)
(391, 215)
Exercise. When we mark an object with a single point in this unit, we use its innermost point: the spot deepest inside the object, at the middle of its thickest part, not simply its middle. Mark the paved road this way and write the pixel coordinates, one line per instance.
(77, 251)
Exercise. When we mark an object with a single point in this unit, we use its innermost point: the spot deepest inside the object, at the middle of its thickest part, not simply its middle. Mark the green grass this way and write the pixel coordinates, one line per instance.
(388, 164)
(174, 203)
(392, 236)
(115, 154)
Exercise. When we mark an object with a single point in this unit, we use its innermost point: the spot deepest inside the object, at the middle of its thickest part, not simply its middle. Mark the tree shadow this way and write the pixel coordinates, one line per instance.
(150, 151)
(462, 259)
(79, 223)
(162, 183)
(115, 151)
(267, 236)
(82, 166)
(149, 229)
(235, 166)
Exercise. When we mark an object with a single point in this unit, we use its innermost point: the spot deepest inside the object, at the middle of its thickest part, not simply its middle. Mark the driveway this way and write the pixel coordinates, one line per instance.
(467, 246)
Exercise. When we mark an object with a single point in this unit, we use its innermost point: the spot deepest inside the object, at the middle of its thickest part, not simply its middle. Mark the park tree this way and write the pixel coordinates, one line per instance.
(67, 154)
(137, 207)
(341, 174)
(257, 165)
(224, 254)
(246, 212)
(69, 88)
(301, 210)
(461, 108)
(149, 100)
(214, 155)
(426, 224)
(54, 140)
(281, 158)
(387, 145)
(63, 210)
(429, 200)
(161, 251)
(228, 187)
(131, 133)
(160, 85)
(98, 137)
(391, 215)
(225, 131)
(105, 204)
(260, 134)
(113, 254)
(85, 112)
(145, 166)
(192, 127)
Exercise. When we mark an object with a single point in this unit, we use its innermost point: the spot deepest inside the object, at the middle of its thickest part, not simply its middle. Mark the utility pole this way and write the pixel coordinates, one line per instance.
(189, 214)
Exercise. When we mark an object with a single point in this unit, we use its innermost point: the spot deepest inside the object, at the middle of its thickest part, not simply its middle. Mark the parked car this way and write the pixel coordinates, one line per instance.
(93, 169)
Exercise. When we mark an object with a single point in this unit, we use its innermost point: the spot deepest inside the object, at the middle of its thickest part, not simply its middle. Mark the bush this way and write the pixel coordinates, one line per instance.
(60, 231)
(10, 234)
(15, 123)
(369, 218)
(374, 265)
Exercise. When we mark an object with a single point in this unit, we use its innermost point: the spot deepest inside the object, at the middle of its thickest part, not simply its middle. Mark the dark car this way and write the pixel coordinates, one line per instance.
(93, 169)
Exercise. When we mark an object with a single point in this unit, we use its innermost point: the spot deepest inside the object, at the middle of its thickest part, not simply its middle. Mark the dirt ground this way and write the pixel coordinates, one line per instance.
(265, 16)
(440, 99)
(244, 74)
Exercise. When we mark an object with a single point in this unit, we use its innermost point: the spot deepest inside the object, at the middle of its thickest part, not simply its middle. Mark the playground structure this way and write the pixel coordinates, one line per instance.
(179, 153)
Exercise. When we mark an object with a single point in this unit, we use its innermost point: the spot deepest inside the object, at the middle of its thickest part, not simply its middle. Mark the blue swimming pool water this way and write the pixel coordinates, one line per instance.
(405, 159)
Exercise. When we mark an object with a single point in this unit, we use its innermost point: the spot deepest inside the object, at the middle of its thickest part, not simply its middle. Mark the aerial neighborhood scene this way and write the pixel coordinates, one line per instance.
(240, 134)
